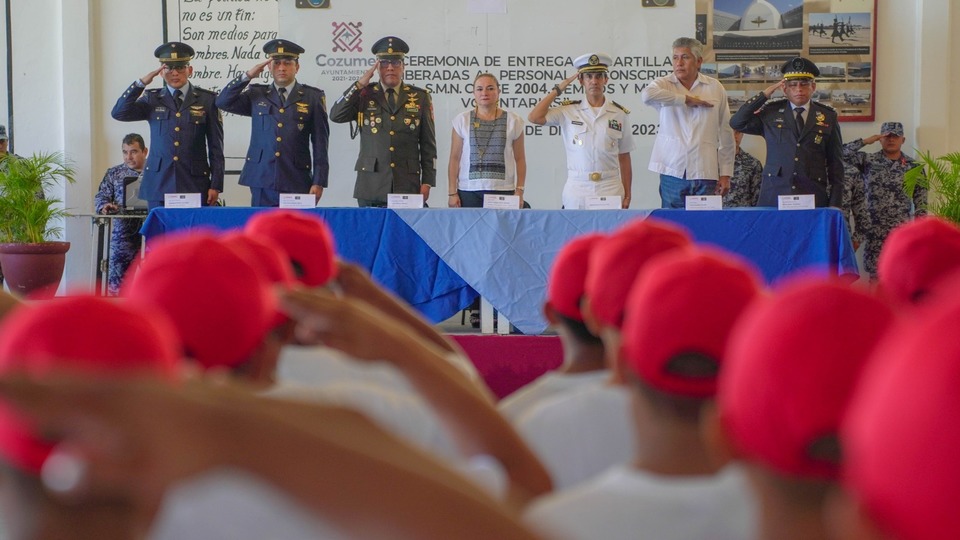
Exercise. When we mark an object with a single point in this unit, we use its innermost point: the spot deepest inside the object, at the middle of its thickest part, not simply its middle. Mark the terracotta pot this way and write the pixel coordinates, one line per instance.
(33, 269)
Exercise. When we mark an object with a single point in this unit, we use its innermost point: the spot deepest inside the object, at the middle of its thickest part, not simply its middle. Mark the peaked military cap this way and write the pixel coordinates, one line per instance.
(174, 53)
(390, 48)
(281, 48)
(592, 62)
(800, 68)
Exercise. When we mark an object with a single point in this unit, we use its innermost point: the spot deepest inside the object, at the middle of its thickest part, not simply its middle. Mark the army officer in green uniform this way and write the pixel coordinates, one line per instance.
(398, 143)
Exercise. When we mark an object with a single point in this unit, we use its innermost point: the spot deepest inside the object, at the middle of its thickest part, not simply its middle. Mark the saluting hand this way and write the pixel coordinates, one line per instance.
(769, 91)
(568, 81)
(149, 77)
(872, 139)
(368, 76)
(258, 69)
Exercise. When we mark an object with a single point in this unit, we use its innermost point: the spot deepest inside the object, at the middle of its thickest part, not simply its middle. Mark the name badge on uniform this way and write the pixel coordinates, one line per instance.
(576, 122)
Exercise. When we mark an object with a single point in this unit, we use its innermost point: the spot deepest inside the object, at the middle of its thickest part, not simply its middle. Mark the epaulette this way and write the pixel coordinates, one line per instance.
(310, 87)
(571, 102)
(772, 103)
(825, 106)
(412, 88)
(621, 107)
(198, 89)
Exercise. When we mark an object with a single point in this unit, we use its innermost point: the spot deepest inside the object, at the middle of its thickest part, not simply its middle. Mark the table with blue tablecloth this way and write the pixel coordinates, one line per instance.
(438, 260)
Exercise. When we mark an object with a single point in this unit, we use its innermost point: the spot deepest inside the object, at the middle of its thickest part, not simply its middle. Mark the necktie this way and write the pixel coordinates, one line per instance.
(392, 98)
(799, 112)
(283, 95)
(178, 97)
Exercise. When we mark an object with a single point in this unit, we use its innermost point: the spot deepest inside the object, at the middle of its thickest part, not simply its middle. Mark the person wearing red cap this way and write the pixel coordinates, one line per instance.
(39, 340)
(672, 487)
(915, 255)
(785, 387)
(580, 434)
(900, 439)
(582, 351)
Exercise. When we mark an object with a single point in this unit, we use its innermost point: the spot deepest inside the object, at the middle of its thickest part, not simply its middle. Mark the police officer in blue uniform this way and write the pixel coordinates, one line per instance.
(398, 141)
(186, 129)
(804, 146)
(288, 119)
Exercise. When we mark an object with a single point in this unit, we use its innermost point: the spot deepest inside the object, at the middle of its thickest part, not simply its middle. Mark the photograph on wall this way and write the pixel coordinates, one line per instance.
(749, 40)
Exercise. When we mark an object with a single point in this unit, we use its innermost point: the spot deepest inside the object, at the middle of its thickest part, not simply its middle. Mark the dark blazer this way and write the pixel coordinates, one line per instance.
(186, 144)
(398, 148)
(281, 135)
(810, 164)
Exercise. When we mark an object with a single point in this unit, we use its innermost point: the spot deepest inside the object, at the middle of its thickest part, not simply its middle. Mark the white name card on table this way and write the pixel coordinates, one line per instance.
(605, 202)
(704, 202)
(796, 202)
(298, 200)
(502, 202)
(181, 200)
(404, 200)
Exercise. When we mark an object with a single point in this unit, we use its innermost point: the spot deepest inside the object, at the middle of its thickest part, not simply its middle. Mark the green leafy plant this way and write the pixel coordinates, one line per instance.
(26, 215)
(940, 175)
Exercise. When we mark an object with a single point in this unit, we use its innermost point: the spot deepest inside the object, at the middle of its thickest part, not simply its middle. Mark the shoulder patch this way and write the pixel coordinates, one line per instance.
(621, 107)
(571, 102)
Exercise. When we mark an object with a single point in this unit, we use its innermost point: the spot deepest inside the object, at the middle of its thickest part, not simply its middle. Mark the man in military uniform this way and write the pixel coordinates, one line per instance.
(881, 173)
(596, 135)
(398, 142)
(125, 238)
(804, 146)
(745, 182)
(287, 117)
(186, 130)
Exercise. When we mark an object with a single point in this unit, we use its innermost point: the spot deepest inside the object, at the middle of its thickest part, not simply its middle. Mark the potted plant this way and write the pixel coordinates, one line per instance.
(941, 175)
(30, 260)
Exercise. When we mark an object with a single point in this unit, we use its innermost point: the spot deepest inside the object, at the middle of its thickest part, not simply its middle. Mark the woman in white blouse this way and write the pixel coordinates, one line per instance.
(486, 151)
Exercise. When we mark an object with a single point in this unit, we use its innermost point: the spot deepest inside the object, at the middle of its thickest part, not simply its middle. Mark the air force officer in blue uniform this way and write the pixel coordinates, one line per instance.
(288, 120)
(186, 130)
(804, 146)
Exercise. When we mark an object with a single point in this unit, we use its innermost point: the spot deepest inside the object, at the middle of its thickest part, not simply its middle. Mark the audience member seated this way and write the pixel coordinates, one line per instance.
(582, 351)
(580, 434)
(792, 365)
(672, 488)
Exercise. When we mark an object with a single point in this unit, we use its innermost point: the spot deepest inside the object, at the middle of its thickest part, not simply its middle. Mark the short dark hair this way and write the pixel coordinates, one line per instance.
(684, 408)
(131, 138)
(578, 330)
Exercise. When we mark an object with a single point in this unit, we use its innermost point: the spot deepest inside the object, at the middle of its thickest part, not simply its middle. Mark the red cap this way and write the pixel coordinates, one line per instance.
(82, 334)
(305, 238)
(616, 261)
(901, 435)
(219, 303)
(792, 363)
(915, 255)
(266, 258)
(684, 302)
(568, 275)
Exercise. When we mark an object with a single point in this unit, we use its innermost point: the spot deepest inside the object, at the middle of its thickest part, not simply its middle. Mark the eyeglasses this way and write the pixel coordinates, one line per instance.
(394, 63)
(800, 84)
(176, 68)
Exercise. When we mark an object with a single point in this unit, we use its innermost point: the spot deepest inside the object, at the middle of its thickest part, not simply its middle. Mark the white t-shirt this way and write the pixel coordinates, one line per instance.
(580, 434)
(461, 126)
(549, 385)
(629, 504)
(232, 504)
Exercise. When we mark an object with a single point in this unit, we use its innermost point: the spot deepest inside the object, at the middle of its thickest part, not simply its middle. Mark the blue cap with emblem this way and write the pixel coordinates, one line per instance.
(800, 68)
(174, 53)
(281, 48)
(592, 62)
(390, 48)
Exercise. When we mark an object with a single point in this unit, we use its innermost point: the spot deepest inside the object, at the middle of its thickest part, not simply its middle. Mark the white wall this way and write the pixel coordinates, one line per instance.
(74, 57)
